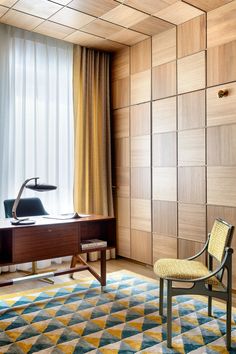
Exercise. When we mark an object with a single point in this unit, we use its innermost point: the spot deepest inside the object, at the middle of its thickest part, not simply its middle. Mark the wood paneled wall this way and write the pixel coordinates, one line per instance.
(174, 138)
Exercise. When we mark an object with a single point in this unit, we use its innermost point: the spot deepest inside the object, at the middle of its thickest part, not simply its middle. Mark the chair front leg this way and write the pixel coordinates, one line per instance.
(209, 301)
(169, 314)
(161, 296)
(228, 322)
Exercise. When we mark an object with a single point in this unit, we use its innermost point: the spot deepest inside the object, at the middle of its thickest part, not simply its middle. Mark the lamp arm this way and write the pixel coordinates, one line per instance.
(16, 202)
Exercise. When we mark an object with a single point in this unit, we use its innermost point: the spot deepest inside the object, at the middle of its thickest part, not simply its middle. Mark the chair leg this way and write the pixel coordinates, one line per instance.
(210, 302)
(161, 297)
(169, 314)
(228, 321)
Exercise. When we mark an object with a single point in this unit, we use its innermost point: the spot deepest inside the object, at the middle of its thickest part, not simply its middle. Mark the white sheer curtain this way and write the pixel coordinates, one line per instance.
(36, 116)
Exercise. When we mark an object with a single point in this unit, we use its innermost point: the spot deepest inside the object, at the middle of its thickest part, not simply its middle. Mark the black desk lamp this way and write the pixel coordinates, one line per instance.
(35, 187)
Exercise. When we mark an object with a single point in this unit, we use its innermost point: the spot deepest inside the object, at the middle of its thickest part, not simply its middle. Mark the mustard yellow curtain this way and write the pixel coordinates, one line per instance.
(92, 180)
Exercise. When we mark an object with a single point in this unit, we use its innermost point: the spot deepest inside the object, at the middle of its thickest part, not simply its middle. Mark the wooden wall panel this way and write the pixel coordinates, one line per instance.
(208, 5)
(120, 93)
(164, 149)
(122, 181)
(141, 214)
(121, 122)
(164, 247)
(192, 185)
(221, 186)
(164, 80)
(140, 62)
(164, 47)
(123, 242)
(140, 183)
(123, 212)
(191, 147)
(141, 87)
(191, 73)
(191, 110)
(190, 248)
(192, 222)
(226, 213)
(164, 115)
(221, 64)
(221, 145)
(192, 36)
(142, 254)
(164, 183)
(140, 151)
(122, 152)
(140, 119)
(165, 218)
(120, 64)
(221, 110)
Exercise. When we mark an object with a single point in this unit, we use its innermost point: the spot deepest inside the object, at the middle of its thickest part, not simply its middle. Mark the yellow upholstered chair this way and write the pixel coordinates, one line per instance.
(205, 280)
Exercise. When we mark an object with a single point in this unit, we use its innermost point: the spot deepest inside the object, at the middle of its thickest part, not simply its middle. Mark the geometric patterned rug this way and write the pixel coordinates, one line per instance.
(78, 317)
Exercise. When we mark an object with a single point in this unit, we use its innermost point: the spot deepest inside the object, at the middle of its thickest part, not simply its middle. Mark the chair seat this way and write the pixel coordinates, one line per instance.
(182, 269)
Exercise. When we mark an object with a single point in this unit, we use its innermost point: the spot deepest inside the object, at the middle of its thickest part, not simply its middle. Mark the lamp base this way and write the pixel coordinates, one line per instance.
(22, 221)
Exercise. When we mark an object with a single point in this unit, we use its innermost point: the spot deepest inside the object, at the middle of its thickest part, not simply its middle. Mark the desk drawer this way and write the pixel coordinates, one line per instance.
(43, 242)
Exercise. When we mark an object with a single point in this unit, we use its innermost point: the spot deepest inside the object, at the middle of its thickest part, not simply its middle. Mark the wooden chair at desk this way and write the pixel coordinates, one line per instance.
(28, 207)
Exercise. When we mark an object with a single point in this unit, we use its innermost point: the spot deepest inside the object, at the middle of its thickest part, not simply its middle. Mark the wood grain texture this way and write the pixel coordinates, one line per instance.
(140, 62)
(164, 80)
(192, 222)
(122, 211)
(101, 28)
(71, 18)
(141, 214)
(191, 147)
(120, 64)
(221, 111)
(128, 37)
(219, 68)
(152, 25)
(208, 5)
(141, 87)
(192, 36)
(164, 183)
(123, 242)
(21, 20)
(221, 26)
(164, 47)
(141, 246)
(188, 249)
(120, 119)
(122, 152)
(221, 186)
(149, 6)
(140, 183)
(226, 213)
(221, 146)
(120, 93)
(164, 149)
(164, 115)
(140, 116)
(3, 10)
(165, 218)
(191, 110)
(191, 72)
(192, 185)
(164, 247)
(91, 6)
(40, 8)
(140, 151)
(53, 30)
(122, 181)
(124, 16)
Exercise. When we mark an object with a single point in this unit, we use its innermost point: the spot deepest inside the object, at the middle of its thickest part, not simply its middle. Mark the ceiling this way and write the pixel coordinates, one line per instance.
(102, 24)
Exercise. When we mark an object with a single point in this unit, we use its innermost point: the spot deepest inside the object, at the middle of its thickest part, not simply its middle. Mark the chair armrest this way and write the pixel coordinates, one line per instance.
(201, 252)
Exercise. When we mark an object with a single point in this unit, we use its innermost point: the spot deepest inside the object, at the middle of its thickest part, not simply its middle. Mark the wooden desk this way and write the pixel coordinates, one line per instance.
(52, 238)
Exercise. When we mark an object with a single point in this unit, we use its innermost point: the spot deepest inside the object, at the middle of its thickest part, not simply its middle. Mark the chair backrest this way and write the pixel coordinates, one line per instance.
(26, 207)
(220, 237)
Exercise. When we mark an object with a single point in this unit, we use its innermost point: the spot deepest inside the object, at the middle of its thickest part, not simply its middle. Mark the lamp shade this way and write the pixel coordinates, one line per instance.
(42, 187)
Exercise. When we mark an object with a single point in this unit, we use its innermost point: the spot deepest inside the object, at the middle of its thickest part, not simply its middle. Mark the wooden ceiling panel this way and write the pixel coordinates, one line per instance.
(178, 13)
(149, 6)
(3, 10)
(71, 18)
(53, 30)
(152, 26)
(21, 20)
(7, 3)
(84, 39)
(61, 2)
(124, 16)
(207, 5)
(39, 8)
(111, 46)
(91, 7)
(128, 37)
(101, 28)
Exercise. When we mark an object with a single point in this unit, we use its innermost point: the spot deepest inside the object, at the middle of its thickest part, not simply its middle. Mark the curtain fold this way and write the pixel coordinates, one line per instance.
(92, 164)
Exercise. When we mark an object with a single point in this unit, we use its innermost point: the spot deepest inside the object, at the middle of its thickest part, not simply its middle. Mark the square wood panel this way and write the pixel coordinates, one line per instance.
(120, 64)
(191, 73)
(164, 183)
(141, 183)
(221, 145)
(122, 207)
(165, 218)
(190, 248)
(164, 80)
(128, 37)
(141, 246)
(164, 247)
(219, 68)
(123, 242)
(226, 213)
(164, 115)
(141, 87)
(102, 28)
(8, 3)
(164, 149)
(3, 10)
(141, 214)
(140, 119)
(221, 186)
(122, 152)
(151, 26)
(19, 19)
(221, 111)
(140, 62)
(120, 118)
(191, 108)
(120, 93)
(39, 8)
(124, 16)
(149, 6)
(208, 5)
(192, 222)
(192, 36)
(122, 181)
(164, 47)
(71, 18)
(53, 30)
(191, 147)
(192, 185)
(140, 151)
(91, 6)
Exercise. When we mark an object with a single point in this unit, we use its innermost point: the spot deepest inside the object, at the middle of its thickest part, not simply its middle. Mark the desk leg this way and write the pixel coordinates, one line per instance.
(103, 270)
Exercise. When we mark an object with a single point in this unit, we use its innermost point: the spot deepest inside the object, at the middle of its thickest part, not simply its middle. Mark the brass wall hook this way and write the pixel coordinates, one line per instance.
(223, 93)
